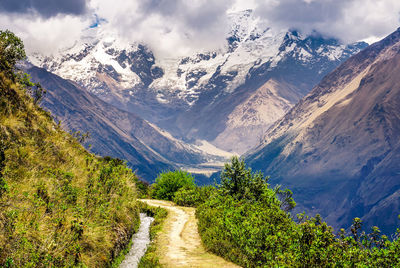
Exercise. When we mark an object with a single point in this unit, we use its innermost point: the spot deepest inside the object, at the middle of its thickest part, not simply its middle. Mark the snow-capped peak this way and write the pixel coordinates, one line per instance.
(105, 64)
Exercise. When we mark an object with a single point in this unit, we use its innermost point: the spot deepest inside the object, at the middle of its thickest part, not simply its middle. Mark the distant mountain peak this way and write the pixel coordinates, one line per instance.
(340, 138)
(173, 92)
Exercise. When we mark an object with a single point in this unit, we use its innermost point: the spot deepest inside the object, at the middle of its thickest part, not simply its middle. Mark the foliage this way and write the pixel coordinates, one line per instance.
(193, 196)
(286, 198)
(243, 220)
(143, 188)
(81, 137)
(11, 51)
(254, 229)
(168, 183)
(241, 183)
(35, 89)
(60, 206)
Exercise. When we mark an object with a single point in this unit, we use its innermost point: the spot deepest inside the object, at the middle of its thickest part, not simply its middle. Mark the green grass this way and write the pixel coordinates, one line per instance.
(59, 204)
(121, 256)
(150, 258)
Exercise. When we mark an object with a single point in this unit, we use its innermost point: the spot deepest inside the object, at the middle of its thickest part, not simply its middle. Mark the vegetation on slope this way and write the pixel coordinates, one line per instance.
(168, 183)
(60, 205)
(247, 222)
(193, 196)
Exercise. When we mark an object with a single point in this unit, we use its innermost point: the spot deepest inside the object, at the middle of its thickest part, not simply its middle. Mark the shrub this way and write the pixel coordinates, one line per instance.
(168, 183)
(248, 223)
(193, 196)
(11, 51)
(243, 221)
(143, 188)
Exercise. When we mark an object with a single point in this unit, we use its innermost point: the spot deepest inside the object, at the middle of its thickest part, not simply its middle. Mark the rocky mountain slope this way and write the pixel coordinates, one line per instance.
(148, 149)
(203, 96)
(338, 148)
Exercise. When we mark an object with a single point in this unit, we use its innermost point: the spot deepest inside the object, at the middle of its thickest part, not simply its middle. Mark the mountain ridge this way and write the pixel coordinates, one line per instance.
(181, 94)
(114, 132)
(329, 144)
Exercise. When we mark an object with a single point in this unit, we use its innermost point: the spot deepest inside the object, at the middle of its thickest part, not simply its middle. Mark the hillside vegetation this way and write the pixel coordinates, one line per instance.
(248, 222)
(60, 205)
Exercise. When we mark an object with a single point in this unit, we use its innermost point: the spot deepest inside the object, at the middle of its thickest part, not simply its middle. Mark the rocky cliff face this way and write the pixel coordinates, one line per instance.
(200, 96)
(338, 148)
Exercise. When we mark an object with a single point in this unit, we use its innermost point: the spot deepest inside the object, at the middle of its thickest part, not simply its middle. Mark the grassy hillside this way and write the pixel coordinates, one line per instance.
(59, 204)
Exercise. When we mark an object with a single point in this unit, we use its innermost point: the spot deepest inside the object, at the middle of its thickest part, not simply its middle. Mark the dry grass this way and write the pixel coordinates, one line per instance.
(59, 204)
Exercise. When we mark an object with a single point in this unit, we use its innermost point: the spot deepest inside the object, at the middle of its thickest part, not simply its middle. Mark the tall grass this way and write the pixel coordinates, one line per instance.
(59, 204)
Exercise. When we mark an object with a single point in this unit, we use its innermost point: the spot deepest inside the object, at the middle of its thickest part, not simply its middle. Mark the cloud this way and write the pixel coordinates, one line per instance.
(302, 13)
(169, 27)
(180, 27)
(348, 20)
(44, 8)
(46, 36)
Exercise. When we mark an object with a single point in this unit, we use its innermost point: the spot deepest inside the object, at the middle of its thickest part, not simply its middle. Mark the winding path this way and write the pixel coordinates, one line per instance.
(179, 244)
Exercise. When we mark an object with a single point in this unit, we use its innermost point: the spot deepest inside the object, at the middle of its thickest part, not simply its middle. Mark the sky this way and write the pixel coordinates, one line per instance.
(179, 27)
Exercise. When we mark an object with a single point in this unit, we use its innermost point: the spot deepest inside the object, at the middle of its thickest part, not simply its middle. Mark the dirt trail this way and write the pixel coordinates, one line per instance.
(179, 244)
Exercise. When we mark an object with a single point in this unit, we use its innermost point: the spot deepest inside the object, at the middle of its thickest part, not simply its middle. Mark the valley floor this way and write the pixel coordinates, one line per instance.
(179, 244)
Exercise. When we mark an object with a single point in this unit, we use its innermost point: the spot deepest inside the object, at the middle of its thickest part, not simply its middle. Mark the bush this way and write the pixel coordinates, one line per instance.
(11, 51)
(243, 221)
(168, 183)
(143, 188)
(193, 196)
(248, 223)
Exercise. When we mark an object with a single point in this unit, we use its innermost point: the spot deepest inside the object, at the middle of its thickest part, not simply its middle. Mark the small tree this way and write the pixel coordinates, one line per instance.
(36, 90)
(241, 183)
(286, 198)
(235, 177)
(11, 51)
(168, 183)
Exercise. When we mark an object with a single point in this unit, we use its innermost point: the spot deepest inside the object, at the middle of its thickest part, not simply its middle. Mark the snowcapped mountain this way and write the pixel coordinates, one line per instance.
(338, 149)
(205, 95)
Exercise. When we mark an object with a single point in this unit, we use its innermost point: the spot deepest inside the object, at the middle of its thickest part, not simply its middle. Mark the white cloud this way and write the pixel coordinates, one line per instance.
(179, 27)
(348, 20)
(45, 35)
(368, 19)
(174, 27)
(240, 5)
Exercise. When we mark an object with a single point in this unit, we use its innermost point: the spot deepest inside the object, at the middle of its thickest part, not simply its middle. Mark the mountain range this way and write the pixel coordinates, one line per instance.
(320, 117)
(207, 95)
(338, 148)
(114, 132)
